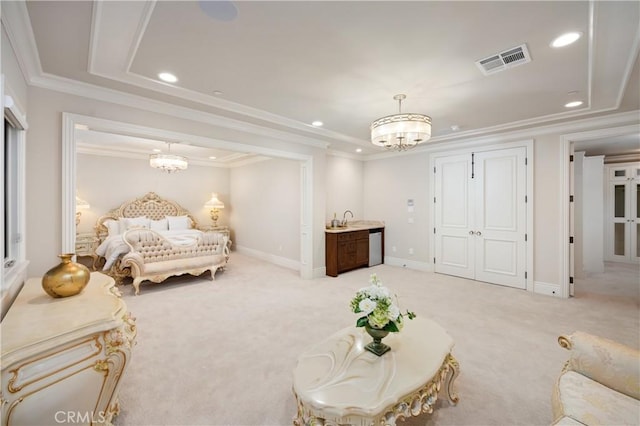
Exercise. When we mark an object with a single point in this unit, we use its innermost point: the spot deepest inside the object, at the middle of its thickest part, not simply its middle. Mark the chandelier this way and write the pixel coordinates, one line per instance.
(400, 132)
(168, 162)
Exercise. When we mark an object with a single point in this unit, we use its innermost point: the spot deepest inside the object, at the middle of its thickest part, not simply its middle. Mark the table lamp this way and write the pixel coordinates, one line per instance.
(215, 205)
(80, 204)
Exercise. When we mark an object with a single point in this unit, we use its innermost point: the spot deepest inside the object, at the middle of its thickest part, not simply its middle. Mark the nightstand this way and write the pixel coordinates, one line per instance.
(86, 245)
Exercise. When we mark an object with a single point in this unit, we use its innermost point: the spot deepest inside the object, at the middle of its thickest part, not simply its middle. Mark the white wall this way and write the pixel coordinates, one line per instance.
(15, 85)
(593, 214)
(390, 182)
(106, 182)
(547, 215)
(265, 210)
(44, 166)
(578, 209)
(345, 188)
(388, 185)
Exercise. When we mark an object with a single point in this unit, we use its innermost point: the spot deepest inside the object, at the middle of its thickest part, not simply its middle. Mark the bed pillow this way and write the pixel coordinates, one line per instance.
(159, 225)
(137, 222)
(114, 227)
(178, 222)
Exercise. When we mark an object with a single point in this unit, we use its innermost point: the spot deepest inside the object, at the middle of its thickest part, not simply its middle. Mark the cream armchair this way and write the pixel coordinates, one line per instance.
(599, 384)
(154, 258)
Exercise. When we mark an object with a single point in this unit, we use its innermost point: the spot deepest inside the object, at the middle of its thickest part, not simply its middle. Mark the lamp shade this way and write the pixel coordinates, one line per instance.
(81, 204)
(168, 162)
(400, 131)
(214, 202)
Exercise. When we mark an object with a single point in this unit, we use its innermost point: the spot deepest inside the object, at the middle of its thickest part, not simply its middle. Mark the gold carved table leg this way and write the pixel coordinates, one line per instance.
(454, 370)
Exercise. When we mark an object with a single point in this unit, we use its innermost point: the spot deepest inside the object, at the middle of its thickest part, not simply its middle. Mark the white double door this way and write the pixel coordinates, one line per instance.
(480, 216)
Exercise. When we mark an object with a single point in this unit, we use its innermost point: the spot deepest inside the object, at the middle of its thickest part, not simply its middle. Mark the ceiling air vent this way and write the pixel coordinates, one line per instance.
(501, 61)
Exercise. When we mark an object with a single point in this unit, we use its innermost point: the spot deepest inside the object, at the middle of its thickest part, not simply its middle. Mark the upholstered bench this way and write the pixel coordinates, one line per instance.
(599, 384)
(154, 258)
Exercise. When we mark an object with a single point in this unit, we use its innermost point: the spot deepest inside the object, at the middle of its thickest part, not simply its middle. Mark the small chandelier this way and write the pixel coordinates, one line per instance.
(400, 132)
(168, 162)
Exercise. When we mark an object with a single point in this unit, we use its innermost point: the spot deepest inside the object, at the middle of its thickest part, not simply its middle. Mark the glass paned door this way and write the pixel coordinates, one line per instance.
(623, 214)
(619, 201)
(619, 232)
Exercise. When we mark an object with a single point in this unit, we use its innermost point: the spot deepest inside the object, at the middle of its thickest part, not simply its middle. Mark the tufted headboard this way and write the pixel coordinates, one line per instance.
(151, 205)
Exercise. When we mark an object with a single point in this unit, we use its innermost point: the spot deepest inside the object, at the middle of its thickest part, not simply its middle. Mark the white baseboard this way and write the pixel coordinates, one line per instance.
(406, 263)
(547, 289)
(268, 257)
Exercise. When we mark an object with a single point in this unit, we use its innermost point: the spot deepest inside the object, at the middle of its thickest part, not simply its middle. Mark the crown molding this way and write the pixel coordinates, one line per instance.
(342, 154)
(122, 47)
(15, 19)
(16, 22)
(611, 120)
(635, 51)
(87, 150)
(90, 91)
(248, 161)
(623, 158)
(72, 119)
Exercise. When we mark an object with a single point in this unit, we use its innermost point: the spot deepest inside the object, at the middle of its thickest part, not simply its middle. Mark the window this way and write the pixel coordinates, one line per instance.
(14, 263)
(11, 220)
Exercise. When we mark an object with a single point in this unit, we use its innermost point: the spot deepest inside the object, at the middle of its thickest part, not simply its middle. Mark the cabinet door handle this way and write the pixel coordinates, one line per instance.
(471, 232)
(479, 233)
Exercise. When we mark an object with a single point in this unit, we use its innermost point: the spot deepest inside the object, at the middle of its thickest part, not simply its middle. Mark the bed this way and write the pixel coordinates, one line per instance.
(172, 226)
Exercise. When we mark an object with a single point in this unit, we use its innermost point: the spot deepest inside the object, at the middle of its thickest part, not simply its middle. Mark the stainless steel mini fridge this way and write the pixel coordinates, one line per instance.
(375, 248)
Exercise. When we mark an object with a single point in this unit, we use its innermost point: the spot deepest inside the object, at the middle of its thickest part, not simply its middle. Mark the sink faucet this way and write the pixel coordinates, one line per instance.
(344, 217)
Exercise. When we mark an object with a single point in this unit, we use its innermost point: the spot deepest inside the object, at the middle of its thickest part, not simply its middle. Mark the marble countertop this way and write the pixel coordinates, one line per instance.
(355, 225)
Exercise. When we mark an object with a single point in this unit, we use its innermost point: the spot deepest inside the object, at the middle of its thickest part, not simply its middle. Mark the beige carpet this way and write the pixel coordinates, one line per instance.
(222, 352)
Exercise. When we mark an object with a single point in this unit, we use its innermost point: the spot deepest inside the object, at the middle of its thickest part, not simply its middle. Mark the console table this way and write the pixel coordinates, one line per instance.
(337, 381)
(63, 359)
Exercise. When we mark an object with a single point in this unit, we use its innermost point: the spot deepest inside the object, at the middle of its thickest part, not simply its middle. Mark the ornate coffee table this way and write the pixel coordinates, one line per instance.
(337, 381)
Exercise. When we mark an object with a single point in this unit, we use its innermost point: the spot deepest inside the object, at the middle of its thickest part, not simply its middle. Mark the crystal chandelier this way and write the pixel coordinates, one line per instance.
(400, 132)
(168, 162)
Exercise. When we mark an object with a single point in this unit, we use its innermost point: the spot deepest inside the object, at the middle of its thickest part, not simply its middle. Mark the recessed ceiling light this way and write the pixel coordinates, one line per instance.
(359, 150)
(455, 127)
(217, 92)
(212, 158)
(157, 150)
(317, 123)
(81, 127)
(168, 77)
(573, 104)
(565, 39)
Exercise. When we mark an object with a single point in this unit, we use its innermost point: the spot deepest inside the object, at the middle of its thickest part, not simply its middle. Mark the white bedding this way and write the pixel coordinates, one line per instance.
(114, 246)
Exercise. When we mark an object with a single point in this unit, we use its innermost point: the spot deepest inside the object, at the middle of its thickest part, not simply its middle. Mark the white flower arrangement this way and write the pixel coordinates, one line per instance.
(377, 307)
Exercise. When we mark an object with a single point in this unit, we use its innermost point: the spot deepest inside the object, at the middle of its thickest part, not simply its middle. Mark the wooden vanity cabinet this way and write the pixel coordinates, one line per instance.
(346, 250)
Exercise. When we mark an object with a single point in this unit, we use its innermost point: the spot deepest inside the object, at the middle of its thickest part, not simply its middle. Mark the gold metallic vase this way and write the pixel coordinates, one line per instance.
(66, 279)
